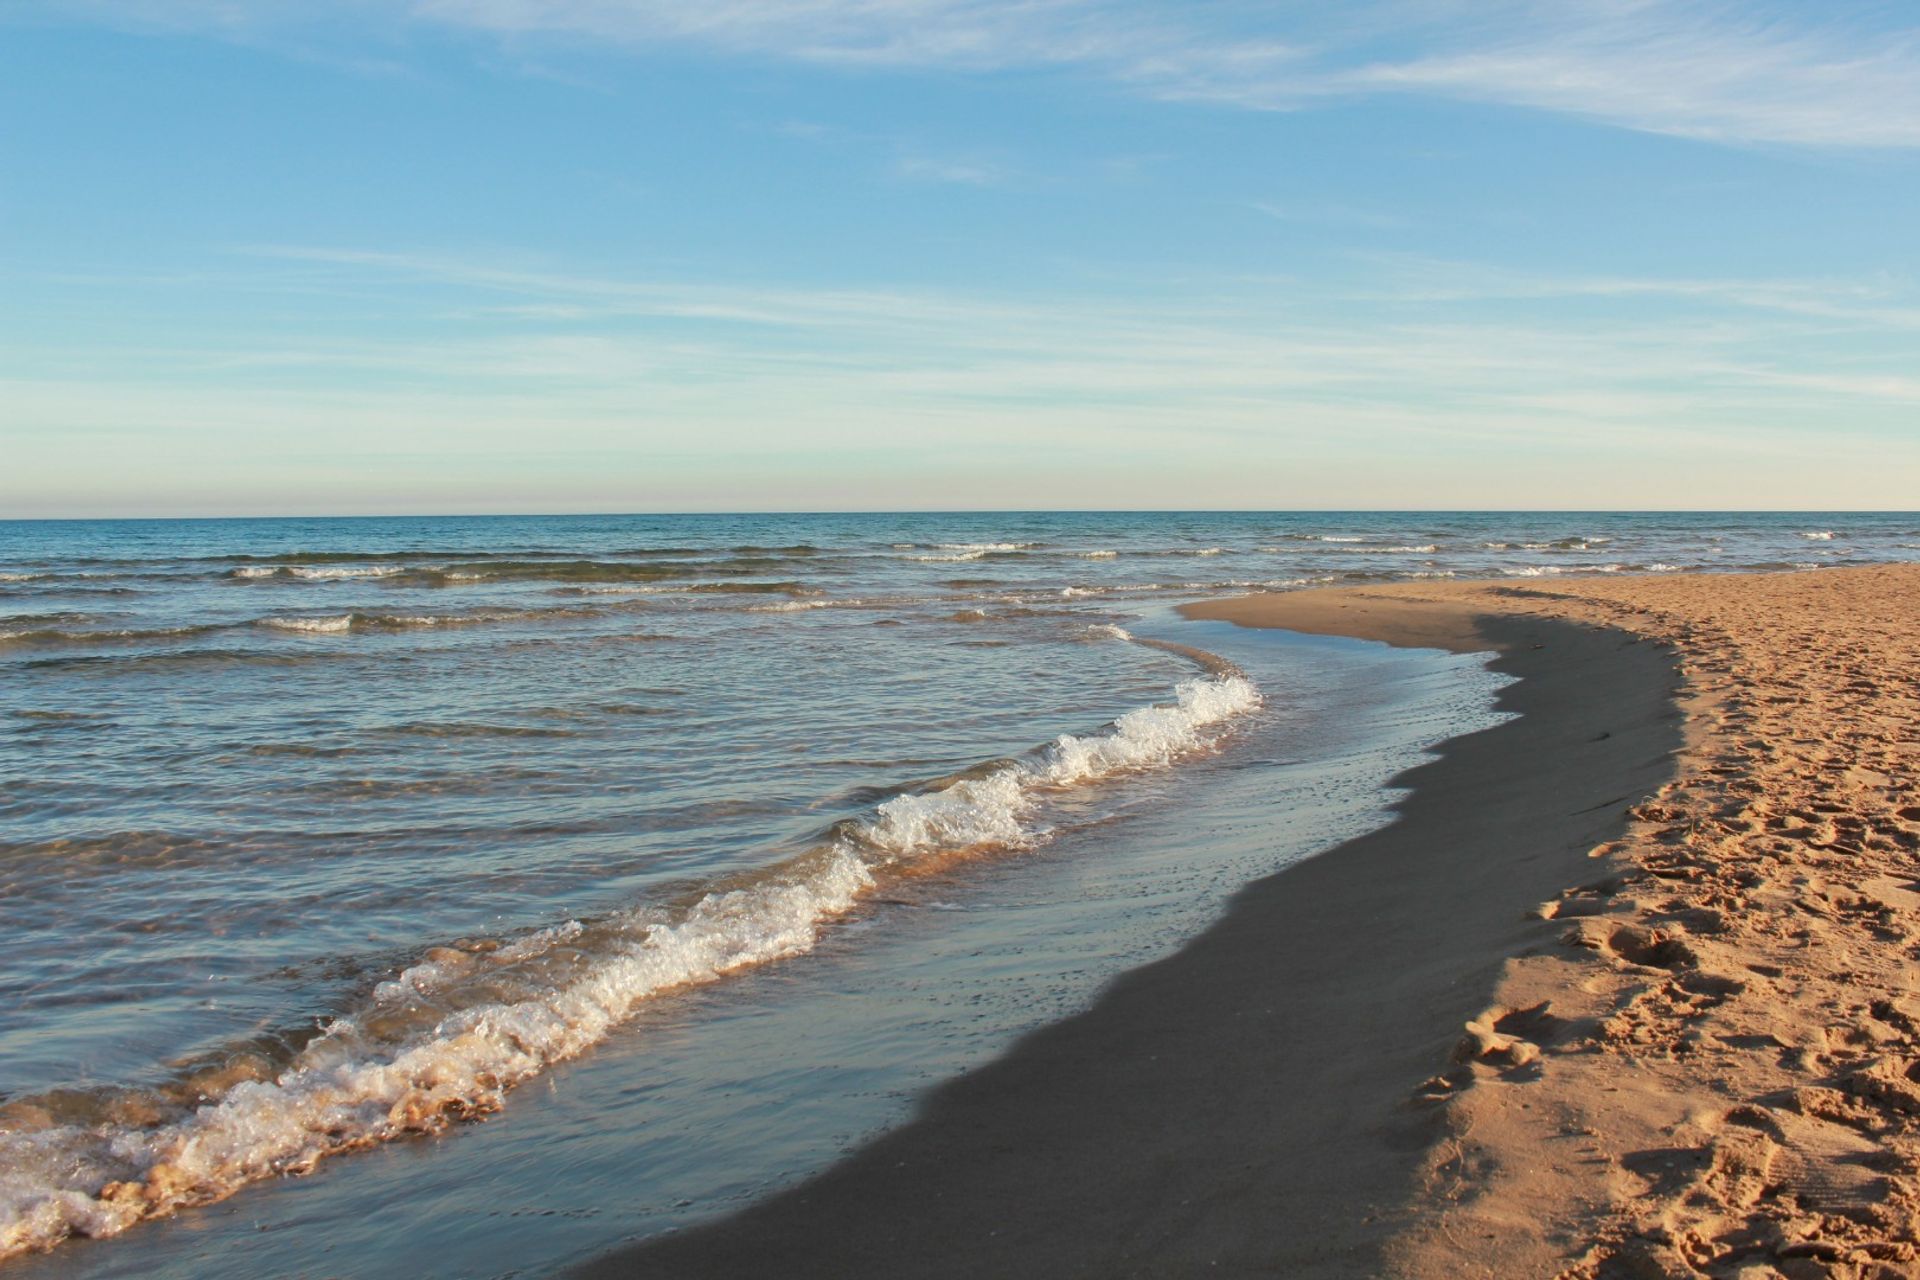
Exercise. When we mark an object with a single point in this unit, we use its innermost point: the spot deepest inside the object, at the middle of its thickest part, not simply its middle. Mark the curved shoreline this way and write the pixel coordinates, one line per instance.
(1248, 1103)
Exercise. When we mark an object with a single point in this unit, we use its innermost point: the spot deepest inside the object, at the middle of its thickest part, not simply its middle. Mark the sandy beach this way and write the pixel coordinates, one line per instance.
(1626, 989)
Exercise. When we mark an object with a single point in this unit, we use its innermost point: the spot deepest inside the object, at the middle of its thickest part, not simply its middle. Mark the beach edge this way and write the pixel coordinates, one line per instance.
(1251, 1102)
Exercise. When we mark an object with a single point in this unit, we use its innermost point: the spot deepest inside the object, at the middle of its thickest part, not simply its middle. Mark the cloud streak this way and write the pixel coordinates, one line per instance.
(1840, 75)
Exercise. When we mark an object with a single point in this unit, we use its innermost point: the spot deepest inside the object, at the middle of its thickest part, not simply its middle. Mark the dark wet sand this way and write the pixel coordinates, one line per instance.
(1244, 1107)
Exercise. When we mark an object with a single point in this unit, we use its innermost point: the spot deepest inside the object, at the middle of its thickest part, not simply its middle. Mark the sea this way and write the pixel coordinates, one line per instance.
(468, 896)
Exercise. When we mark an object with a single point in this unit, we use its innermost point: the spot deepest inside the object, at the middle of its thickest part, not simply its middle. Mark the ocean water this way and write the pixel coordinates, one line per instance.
(693, 846)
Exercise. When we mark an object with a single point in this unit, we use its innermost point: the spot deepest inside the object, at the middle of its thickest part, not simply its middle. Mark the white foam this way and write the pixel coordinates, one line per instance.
(333, 622)
(361, 1082)
(1818, 535)
(431, 975)
(344, 571)
(981, 811)
(255, 571)
(1096, 555)
(1554, 570)
(338, 1095)
(986, 546)
(21, 577)
(1423, 548)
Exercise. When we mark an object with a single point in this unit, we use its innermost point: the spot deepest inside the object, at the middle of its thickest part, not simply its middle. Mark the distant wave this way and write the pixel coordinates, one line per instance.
(316, 571)
(101, 635)
(357, 621)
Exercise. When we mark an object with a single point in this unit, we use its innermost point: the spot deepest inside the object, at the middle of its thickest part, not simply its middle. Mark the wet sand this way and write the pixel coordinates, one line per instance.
(1261, 1102)
(1714, 1070)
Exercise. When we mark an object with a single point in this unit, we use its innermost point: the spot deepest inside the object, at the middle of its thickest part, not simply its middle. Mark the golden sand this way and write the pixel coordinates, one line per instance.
(1715, 1070)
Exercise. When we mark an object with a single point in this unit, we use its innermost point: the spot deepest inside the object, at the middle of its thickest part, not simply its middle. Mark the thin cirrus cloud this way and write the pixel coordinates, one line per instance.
(1227, 345)
(1829, 75)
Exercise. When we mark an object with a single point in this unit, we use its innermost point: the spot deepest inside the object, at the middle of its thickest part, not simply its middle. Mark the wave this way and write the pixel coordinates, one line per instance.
(470, 729)
(1555, 570)
(987, 546)
(357, 621)
(169, 659)
(446, 1039)
(1818, 535)
(952, 551)
(339, 622)
(750, 588)
(802, 606)
(319, 572)
(419, 570)
(102, 636)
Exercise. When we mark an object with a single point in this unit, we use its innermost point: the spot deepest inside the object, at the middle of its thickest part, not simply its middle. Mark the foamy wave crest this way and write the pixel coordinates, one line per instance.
(316, 572)
(954, 551)
(448, 1037)
(797, 606)
(344, 571)
(1818, 535)
(346, 1091)
(990, 810)
(337, 622)
(1556, 570)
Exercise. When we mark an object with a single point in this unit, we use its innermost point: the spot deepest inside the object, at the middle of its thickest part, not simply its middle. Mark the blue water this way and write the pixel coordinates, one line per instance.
(317, 834)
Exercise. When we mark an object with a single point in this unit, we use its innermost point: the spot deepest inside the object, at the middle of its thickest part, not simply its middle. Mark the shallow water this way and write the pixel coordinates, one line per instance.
(320, 834)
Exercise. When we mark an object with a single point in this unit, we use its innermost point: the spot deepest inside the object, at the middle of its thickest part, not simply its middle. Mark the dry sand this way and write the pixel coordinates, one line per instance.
(1716, 1070)
(1628, 989)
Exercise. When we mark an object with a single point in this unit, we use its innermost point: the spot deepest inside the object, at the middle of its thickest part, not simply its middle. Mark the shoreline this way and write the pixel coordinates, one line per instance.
(1260, 1100)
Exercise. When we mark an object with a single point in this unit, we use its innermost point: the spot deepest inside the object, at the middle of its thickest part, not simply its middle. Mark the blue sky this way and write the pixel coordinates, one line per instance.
(342, 256)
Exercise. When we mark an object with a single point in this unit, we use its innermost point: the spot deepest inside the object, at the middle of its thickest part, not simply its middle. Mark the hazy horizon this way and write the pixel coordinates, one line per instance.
(972, 511)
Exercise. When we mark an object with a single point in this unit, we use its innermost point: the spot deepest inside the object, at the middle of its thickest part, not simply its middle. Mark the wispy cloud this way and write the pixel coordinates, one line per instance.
(1335, 215)
(1712, 71)
(557, 369)
(1201, 353)
(1842, 74)
(929, 168)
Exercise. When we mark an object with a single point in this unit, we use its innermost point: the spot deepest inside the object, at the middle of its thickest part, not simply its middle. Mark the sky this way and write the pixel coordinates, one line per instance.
(364, 256)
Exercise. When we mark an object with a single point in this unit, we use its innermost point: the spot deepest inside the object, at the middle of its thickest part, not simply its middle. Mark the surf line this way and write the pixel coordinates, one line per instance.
(449, 1037)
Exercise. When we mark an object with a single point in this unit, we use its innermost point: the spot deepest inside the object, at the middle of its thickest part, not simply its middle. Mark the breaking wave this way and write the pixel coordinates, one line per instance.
(446, 1039)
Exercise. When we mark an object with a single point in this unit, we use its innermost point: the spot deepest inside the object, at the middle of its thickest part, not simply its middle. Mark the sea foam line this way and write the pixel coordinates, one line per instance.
(448, 1038)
